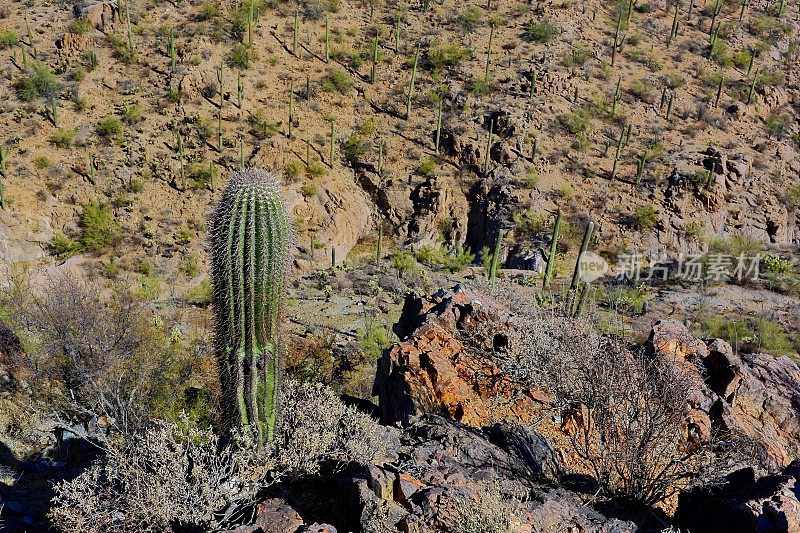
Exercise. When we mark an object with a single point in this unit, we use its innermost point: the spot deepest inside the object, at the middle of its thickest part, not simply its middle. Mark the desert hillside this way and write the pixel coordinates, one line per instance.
(472, 209)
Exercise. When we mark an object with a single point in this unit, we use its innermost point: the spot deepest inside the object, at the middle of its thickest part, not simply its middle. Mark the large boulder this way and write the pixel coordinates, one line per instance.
(744, 504)
(433, 371)
(752, 395)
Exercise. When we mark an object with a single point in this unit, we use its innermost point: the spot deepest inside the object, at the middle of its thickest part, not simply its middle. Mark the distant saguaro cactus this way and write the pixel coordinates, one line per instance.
(250, 238)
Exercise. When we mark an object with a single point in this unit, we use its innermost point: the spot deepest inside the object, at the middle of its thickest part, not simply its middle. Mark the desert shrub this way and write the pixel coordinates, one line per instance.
(293, 170)
(132, 113)
(643, 89)
(80, 26)
(792, 198)
(627, 408)
(260, 126)
(177, 474)
(446, 54)
(720, 54)
(485, 511)
(99, 228)
(674, 80)
(8, 39)
(62, 246)
(62, 138)
(403, 262)
(354, 147)
(470, 17)
(337, 79)
(438, 257)
(735, 246)
(644, 218)
(575, 121)
(240, 56)
(122, 52)
(528, 223)
(315, 9)
(308, 190)
(742, 58)
(541, 32)
(39, 82)
(426, 166)
(108, 126)
(208, 10)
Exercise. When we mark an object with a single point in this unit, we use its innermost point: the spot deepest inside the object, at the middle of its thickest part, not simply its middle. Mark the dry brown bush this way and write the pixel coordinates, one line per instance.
(627, 410)
(177, 475)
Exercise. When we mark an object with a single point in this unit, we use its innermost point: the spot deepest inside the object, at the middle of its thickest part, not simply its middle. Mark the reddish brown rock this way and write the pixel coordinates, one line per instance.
(434, 372)
(276, 515)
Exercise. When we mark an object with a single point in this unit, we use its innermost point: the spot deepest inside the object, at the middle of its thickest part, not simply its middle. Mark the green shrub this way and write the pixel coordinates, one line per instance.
(438, 257)
(80, 26)
(108, 126)
(132, 113)
(316, 169)
(644, 218)
(209, 10)
(735, 246)
(426, 166)
(200, 294)
(38, 83)
(308, 190)
(353, 148)
(293, 171)
(541, 32)
(260, 126)
(446, 54)
(403, 262)
(792, 197)
(337, 79)
(62, 138)
(575, 122)
(149, 288)
(98, 225)
(642, 89)
(673, 80)
(240, 56)
(528, 223)
(373, 339)
(8, 39)
(720, 55)
(742, 58)
(470, 17)
(63, 246)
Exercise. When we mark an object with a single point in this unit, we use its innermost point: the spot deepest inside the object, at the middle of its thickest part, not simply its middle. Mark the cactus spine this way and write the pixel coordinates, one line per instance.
(250, 238)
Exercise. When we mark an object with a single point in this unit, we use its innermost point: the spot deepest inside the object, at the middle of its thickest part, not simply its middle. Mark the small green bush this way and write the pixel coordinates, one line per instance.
(260, 126)
(38, 83)
(642, 89)
(8, 39)
(528, 223)
(470, 17)
(353, 148)
(644, 218)
(438, 257)
(426, 166)
(446, 54)
(308, 190)
(403, 262)
(132, 113)
(98, 225)
(108, 126)
(575, 122)
(337, 79)
(240, 56)
(541, 32)
(63, 246)
(80, 26)
(62, 138)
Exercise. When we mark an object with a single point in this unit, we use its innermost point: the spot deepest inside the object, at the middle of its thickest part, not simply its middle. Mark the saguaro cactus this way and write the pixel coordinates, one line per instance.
(250, 238)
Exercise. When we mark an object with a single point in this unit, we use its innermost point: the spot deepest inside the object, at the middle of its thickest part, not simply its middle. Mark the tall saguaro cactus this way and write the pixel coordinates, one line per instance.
(250, 238)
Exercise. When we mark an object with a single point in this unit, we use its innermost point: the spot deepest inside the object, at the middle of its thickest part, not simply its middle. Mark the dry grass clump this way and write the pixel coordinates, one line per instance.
(176, 474)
